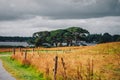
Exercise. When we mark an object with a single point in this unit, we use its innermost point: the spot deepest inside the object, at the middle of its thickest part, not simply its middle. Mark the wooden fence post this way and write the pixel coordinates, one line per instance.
(25, 55)
(20, 49)
(33, 50)
(63, 64)
(55, 66)
(14, 51)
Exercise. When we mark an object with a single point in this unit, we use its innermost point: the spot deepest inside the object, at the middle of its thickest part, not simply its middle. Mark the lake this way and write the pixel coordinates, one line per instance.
(24, 44)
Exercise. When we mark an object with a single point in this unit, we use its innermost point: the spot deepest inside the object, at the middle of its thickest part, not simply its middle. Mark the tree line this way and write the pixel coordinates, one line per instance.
(102, 38)
(71, 36)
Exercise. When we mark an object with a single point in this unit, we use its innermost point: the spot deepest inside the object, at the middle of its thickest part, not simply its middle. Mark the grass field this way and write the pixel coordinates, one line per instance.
(19, 71)
(99, 62)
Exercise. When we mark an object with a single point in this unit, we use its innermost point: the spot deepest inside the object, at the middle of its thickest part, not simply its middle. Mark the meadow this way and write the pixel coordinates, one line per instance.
(98, 62)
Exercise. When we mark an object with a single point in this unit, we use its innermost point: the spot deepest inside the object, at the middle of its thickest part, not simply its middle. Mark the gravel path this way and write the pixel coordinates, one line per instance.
(4, 75)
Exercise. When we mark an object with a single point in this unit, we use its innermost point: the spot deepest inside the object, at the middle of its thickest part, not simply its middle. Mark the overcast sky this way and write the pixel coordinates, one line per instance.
(24, 17)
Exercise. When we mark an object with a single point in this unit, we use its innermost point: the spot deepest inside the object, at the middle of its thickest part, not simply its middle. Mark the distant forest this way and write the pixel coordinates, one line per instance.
(67, 36)
(14, 39)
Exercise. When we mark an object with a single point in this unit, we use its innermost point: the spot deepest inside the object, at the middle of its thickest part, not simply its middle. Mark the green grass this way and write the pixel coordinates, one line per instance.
(5, 53)
(19, 71)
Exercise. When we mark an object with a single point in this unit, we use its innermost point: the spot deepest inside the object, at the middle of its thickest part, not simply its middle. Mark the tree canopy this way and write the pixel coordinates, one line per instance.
(60, 36)
(71, 36)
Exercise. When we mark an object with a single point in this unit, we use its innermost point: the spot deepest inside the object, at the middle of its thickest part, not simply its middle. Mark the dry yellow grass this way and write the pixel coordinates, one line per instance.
(78, 61)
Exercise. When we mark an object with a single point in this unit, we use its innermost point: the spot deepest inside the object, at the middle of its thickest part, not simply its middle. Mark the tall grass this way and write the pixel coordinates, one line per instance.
(20, 71)
(74, 63)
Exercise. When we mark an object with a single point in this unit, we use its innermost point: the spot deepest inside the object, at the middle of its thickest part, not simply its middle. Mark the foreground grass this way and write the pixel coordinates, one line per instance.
(5, 53)
(19, 71)
(106, 62)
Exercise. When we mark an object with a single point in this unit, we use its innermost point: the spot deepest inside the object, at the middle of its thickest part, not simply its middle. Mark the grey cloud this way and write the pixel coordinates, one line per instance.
(13, 9)
(28, 27)
(58, 9)
(81, 9)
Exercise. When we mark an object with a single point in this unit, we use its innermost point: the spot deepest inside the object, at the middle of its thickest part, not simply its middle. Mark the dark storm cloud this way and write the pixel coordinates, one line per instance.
(67, 9)
(17, 9)
(24, 17)
(58, 9)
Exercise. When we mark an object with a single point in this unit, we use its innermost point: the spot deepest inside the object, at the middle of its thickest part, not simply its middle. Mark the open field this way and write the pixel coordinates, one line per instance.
(99, 62)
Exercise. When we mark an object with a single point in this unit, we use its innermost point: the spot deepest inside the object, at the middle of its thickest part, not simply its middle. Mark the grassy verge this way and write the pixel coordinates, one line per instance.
(19, 71)
(5, 53)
